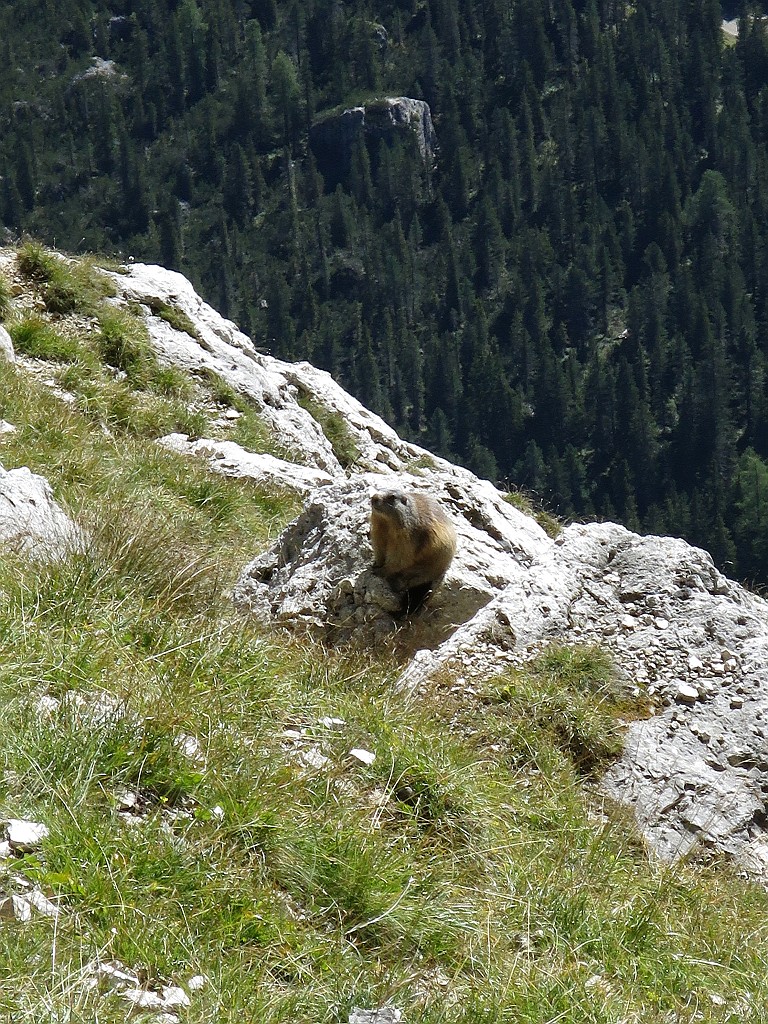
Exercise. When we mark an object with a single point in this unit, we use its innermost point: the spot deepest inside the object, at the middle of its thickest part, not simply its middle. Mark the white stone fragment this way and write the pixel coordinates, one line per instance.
(126, 798)
(15, 908)
(362, 755)
(687, 693)
(116, 974)
(313, 758)
(188, 745)
(384, 1015)
(174, 995)
(695, 664)
(40, 902)
(25, 836)
(144, 998)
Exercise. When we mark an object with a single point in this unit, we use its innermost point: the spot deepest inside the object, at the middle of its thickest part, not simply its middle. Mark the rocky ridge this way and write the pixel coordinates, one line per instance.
(695, 772)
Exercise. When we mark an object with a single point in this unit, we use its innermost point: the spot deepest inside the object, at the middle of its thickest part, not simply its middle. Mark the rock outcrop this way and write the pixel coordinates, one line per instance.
(276, 388)
(6, 346)
(333, 137)
(31, 522)
(230, 459)
(696, 771)
(319, 574)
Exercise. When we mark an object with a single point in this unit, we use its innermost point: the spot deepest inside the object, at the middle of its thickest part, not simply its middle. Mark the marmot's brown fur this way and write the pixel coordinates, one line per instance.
(413, 542)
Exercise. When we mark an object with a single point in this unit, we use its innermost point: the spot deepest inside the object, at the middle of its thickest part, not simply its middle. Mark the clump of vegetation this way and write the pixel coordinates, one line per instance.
(123, 342)
(152, 411)
(36, 337)
(334, 427)
(173, 316)
(65, 287)
(568, 700)
(529, 506)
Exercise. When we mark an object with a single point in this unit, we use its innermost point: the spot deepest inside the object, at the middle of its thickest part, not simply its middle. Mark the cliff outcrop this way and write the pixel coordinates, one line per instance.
(333, 136)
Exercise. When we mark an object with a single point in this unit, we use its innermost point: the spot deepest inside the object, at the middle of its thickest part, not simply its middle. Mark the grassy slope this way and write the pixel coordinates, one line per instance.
(470, 873)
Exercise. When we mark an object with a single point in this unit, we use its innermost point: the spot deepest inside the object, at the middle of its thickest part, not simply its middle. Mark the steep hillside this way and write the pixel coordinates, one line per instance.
(213, 815)
(529, 234)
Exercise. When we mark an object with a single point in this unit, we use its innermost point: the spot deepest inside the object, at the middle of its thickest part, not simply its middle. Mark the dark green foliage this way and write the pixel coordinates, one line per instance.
(568, 295)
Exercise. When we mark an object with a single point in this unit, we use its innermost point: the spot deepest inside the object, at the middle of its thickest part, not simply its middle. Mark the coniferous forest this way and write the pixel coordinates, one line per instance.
(570, 294)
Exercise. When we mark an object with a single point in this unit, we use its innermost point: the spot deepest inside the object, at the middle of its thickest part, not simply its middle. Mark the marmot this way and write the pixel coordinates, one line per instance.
(413, 543)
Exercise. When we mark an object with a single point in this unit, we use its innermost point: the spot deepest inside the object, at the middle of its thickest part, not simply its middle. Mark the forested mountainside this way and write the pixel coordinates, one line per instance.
(570, 293)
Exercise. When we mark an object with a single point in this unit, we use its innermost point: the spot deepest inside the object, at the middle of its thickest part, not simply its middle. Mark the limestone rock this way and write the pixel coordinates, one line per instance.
(100, 68)
(384, 1015)
(275, 387)
(38, 901)
(333, 137)
(362, 755)
(319, 573)
(697, 780)
(113, 977)
(30, 520)
(15, 908)
(25, 836)
(218, 346)
(230, 459)
(6, 346)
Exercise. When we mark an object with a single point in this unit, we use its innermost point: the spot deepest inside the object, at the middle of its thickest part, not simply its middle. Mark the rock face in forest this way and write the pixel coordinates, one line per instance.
(691, 642)
(333, 137)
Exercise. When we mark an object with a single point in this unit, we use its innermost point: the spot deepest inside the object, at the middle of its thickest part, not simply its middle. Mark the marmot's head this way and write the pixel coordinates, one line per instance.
(393, 504)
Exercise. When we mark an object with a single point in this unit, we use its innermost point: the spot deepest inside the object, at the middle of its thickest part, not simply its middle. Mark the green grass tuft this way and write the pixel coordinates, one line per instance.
(65, 287)
(123, 342)
(566, 702)
(173, 316)
(36, 337)
(6, 298)
(530, 506)
(335, 429)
